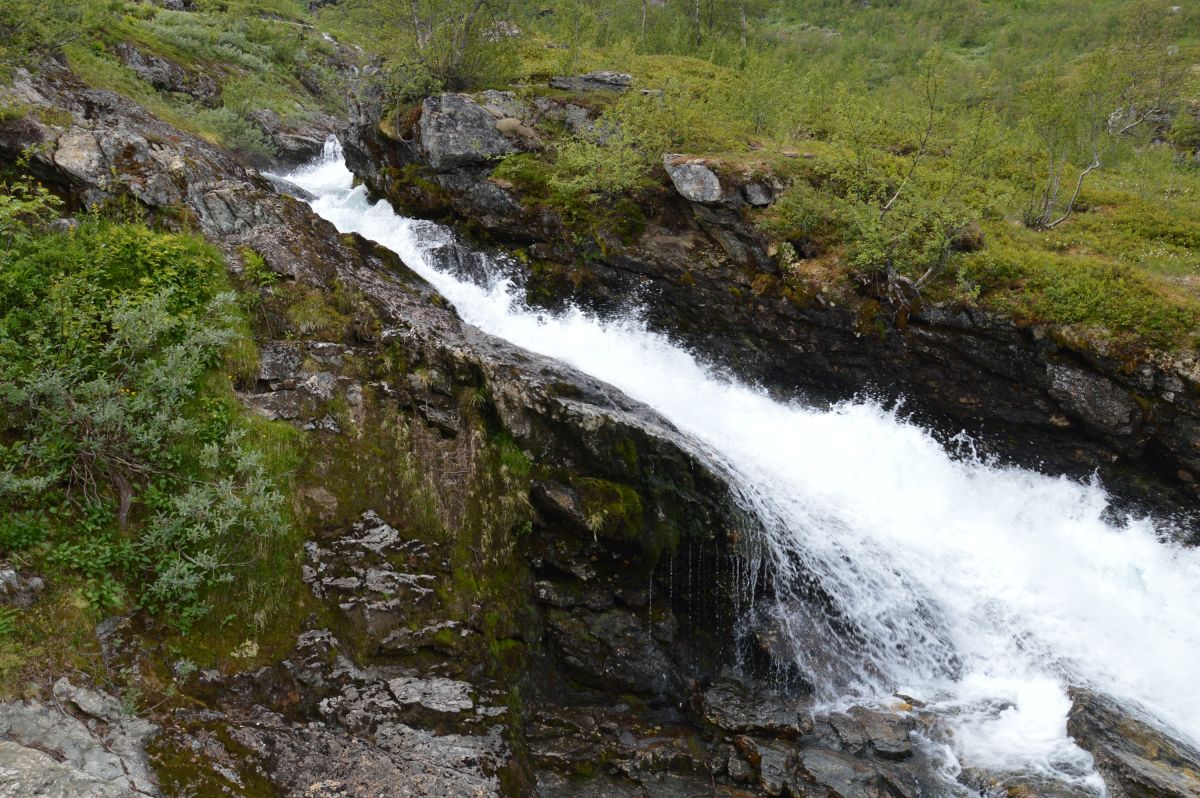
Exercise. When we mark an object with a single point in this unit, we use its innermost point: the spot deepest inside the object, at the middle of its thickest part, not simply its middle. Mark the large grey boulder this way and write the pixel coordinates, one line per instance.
(693, 179)
(456, 131)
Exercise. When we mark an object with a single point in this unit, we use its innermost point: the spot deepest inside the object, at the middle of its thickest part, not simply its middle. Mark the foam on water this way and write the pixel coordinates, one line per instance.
(983, 590)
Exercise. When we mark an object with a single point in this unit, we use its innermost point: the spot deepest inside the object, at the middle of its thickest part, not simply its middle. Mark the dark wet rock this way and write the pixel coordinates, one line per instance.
(605, 80)
(734, 707)
(774, 771)
(554, 785)
(613, 650)
(456, 131)
(1135, 759)
(831, 774)
(285, 186)
(886, 734)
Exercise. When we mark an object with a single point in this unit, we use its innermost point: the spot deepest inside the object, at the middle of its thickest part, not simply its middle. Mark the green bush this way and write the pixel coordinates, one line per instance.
(117, 461)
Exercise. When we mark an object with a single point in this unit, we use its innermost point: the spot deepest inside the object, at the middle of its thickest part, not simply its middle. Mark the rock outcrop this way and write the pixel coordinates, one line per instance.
(1136, 759)
(82, 742)
(702, 273)
(604, 80)
(456, 131)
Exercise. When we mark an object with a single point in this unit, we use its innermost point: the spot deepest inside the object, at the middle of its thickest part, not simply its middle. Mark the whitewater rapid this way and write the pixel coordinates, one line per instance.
(984, 591)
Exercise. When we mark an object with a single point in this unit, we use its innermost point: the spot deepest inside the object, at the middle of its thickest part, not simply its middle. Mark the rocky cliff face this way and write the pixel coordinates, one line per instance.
(521, 581)
(702, 273)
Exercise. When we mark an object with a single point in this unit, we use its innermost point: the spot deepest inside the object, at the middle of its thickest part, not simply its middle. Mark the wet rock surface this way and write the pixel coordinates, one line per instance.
(1135, 758)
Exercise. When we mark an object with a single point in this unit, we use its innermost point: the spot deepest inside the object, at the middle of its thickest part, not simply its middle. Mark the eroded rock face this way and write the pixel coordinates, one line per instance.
(98, 750)
(702, 274)
(1135, 759)
(165, 75)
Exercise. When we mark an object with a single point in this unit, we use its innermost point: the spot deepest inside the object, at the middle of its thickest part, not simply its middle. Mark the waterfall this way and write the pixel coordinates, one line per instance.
(984, 591)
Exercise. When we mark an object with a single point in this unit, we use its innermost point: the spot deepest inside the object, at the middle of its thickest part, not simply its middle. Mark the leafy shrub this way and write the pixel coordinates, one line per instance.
(235, 132)
(118, 462)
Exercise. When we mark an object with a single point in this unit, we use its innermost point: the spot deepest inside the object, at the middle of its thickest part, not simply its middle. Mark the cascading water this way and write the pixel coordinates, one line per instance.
(985, 591)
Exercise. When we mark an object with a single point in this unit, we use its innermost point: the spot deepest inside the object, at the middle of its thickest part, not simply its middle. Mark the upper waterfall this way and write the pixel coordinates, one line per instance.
(983, 590)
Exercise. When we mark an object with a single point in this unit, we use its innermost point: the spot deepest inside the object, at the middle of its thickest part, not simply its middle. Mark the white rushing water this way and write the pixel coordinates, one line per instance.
(982, 590)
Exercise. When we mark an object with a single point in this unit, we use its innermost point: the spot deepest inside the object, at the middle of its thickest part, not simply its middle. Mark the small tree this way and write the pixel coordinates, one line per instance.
(905, 217)
(1076, 118)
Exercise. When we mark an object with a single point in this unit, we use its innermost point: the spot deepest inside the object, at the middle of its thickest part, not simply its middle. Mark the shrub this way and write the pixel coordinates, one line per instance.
(118, 463)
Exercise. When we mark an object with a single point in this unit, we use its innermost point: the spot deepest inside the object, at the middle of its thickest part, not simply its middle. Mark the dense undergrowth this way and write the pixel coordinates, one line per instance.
(129, 473)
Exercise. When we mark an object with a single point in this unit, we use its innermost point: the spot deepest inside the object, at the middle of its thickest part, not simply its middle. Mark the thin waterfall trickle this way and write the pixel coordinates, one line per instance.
(984, 591)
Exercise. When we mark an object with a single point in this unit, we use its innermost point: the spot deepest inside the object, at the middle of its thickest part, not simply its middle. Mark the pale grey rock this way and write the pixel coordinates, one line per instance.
(692, 179)
(438, 694)
(29, 773)
(113, 752)
(759, 195)
(456, 131)
(17, 590)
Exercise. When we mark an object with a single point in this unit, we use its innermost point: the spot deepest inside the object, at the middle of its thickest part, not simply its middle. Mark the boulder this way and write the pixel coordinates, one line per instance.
(99, 745)
(759, 195)
(693, 179)
(29, 773)
(605, 80)
(733, 707)
(1135, 759)
(456, 131)
(17, 590)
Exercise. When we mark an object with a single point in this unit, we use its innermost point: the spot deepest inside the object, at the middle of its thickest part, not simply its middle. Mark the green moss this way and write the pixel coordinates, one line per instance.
(626, 449)
(610, 508)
